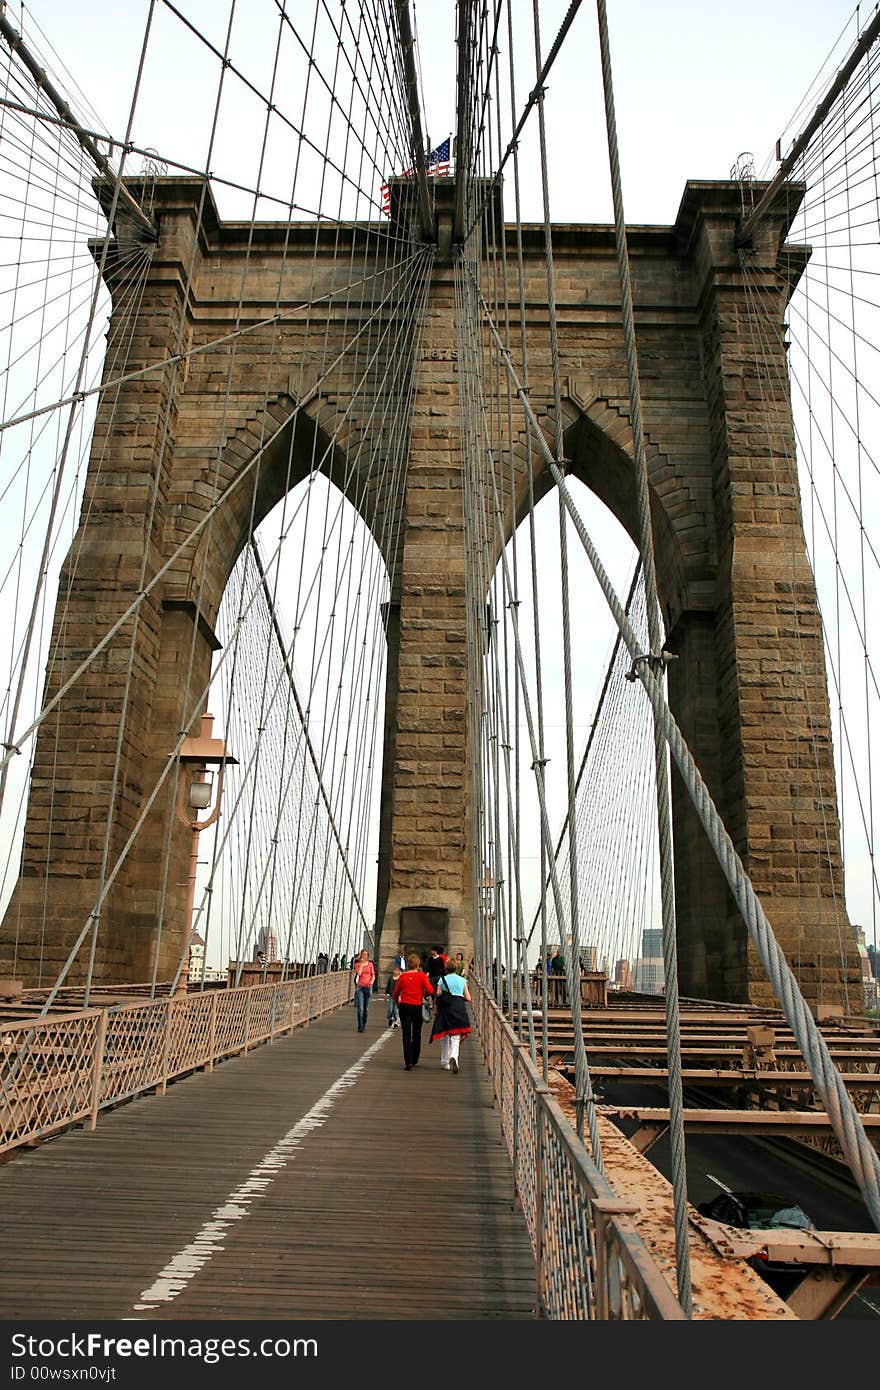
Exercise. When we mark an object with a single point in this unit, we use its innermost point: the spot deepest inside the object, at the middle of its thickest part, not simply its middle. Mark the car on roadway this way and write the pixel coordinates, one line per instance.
(763, 1211)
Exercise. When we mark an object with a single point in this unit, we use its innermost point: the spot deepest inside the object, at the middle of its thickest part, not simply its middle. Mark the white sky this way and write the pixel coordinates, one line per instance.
(696, 83)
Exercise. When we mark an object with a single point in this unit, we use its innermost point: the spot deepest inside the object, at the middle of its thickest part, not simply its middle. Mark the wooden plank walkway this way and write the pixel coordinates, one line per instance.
(253, 1193)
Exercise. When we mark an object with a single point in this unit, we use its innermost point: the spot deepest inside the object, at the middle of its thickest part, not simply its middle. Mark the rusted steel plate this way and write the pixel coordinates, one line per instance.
(347, 1229)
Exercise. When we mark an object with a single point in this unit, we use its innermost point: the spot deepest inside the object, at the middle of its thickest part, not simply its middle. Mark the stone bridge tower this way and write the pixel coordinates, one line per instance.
(748, 688)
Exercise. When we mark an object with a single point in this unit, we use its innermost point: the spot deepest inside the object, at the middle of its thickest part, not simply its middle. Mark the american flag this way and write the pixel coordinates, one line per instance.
(437, 162)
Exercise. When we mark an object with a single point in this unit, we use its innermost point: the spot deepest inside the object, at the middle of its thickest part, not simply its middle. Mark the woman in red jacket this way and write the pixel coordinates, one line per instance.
(411, 988)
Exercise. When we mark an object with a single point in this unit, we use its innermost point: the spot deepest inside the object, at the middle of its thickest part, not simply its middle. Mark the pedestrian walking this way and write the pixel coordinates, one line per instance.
(392, 1010)
(436, 966)
(451, 1021)
(409, 993)
(364, 979)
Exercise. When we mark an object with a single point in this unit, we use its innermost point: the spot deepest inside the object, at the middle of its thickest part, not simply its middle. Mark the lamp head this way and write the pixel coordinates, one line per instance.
(200, 790)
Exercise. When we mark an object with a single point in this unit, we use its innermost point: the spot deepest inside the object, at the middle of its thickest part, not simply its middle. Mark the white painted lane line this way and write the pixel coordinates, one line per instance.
(187, 1263)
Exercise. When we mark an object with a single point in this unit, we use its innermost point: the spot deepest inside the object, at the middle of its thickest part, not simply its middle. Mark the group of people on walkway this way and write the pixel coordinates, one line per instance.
(436, 994)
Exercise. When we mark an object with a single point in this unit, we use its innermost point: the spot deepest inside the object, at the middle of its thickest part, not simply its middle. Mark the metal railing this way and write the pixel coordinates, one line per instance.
(65, 1068)
(591, 1261)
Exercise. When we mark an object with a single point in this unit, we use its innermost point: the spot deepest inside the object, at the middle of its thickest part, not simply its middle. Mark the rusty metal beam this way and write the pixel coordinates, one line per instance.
(734, 1076)
(733, 1052)
(791, 1124)
(823, 1293)
(858, 1249)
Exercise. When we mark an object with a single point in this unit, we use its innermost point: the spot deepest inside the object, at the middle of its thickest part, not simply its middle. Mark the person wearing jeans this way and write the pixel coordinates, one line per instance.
(393, 1012)
(364, 979)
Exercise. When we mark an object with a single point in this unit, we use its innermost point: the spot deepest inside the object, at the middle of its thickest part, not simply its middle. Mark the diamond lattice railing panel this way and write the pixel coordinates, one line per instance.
(260, 1013)
(526, 1156)
(567, 1235)
(508, 1115)
(229, 1036)
(285, 996)
(47, 1071)
(189, 1029)
(134, 1050)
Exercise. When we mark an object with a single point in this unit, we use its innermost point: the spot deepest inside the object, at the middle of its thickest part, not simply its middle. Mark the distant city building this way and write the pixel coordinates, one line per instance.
(648, 975)
(266, 947)
(196, 958)
(623, 976)
(652, 943)
(869, 979)
(874, 958)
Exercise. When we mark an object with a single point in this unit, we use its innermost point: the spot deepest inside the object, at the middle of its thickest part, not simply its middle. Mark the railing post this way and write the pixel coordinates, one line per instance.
(166, 1047)
(517, 1200)
(539, 1206)
(603, 1207)
(272, 1013)
(100, 1039)
(212, 1032)
(247, 1020)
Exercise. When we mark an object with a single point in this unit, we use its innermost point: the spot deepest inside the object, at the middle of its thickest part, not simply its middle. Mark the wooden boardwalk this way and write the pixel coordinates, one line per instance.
(314, 1178)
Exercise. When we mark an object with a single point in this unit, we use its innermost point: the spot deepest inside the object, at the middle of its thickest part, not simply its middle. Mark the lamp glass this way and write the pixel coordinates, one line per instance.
(200, 794)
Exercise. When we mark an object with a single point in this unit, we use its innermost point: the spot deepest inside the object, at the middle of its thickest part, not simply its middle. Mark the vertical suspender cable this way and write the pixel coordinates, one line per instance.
(584, 1091)
(670, 955)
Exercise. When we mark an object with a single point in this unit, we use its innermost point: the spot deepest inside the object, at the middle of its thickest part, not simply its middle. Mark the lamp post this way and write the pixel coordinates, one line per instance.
(200, 786)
